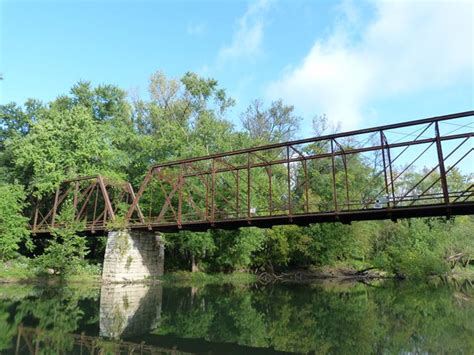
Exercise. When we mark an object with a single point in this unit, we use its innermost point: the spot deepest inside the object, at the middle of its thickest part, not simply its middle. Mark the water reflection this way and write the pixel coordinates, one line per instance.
(36, 341)
(128, 310)
(349, 318)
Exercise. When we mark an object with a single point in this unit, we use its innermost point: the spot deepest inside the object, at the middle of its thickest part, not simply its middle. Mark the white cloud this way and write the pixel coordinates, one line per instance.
(248, 37)
(407, 47)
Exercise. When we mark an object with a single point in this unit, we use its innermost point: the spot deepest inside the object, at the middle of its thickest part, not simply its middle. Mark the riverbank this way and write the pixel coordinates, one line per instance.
(23, 270)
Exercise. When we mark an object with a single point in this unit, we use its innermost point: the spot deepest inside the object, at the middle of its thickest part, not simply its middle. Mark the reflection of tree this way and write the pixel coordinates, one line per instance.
(390, 318)
(387, 319)
(56, 311)
(8, 326)
(425, 318)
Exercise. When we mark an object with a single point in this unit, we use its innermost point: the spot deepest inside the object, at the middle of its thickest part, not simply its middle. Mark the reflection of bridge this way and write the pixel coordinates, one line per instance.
(360, 175)
(276, 184)
(128, 316)
(125, 311)
(35, 341)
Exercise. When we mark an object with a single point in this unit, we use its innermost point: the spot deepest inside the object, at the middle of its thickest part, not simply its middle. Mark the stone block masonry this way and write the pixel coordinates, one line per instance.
(133, 256)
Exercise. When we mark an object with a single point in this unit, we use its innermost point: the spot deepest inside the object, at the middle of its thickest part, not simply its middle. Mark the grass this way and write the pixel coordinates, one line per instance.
(90, 273)
(200, 278)
(463, 273)
(23, 270)
(17, 270)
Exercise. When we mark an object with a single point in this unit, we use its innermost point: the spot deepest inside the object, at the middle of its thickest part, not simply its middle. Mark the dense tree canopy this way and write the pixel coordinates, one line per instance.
(101, 130)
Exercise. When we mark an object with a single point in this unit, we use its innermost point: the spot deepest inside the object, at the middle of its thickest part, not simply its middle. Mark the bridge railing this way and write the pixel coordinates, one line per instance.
(369, 169)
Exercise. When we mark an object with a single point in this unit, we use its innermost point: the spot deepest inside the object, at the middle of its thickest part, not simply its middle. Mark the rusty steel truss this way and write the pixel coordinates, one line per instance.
(366, 174)
(95, 201)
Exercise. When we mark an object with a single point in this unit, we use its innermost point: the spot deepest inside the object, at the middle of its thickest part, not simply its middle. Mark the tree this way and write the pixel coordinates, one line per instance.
(13, 225)
(66, 250)
(61, 144)
(278, 123)
(194, 246)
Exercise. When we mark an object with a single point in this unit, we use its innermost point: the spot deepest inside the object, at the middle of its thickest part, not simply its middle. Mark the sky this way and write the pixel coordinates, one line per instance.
(361, 63)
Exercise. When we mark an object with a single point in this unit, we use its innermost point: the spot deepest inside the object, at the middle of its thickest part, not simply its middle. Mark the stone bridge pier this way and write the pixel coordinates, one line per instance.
(133, 256)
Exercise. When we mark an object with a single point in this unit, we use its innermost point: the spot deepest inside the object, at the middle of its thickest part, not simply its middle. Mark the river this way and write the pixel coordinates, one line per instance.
(324, 318)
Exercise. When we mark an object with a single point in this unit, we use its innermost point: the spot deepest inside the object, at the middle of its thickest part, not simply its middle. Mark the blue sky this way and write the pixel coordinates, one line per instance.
(360, 63)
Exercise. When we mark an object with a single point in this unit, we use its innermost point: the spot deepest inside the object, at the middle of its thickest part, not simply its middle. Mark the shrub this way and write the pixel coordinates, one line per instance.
(13, 225)
(66, 250)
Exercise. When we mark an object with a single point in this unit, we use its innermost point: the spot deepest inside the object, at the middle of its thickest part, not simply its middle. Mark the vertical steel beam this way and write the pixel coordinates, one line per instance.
(95, 205)
(237, 195)
(180, 196)
(382, 144)
(346, 178)
(270, 193)
(290, 207)
(442, 170)
(206, 181)
(248, 186)
(306, 185)
(150, 204)
(333, 170)
(55, 207)
(213, 189)
(35, 219)
(392, 182)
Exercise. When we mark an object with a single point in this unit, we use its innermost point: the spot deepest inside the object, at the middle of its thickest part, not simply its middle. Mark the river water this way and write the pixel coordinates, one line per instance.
(329, 318)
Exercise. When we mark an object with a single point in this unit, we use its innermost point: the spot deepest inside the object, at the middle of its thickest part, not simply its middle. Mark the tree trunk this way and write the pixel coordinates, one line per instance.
(194, 266)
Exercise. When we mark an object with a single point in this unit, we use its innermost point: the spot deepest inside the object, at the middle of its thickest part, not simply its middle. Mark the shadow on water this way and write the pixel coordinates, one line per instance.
(351, 318)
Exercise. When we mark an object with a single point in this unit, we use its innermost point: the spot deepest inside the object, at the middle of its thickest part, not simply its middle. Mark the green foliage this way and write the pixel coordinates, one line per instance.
(278, 123)
(412, 248)
(13, 226)
(186, 278)
(194, 246)
(388, 318)
(18, 269)
(274, 253)
(54, 311)
(120, 222)
(331, 242)
(459, 236)
(235, 249)
(66, 250)
(60, 145)
(99, 130)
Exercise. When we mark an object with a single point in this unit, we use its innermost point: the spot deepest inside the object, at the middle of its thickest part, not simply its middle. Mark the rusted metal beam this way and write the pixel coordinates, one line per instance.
(442, 170)
(336, 153)
(325, 137)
